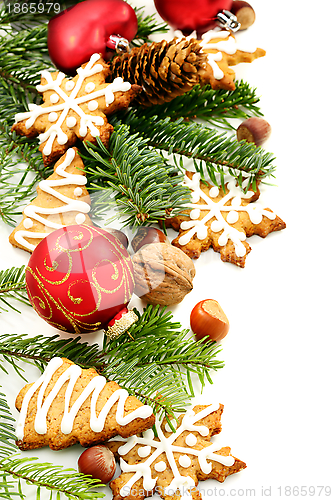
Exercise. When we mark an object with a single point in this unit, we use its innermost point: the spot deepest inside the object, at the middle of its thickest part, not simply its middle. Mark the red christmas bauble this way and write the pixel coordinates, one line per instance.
(79, 277)
(84, 29)
(191, 15)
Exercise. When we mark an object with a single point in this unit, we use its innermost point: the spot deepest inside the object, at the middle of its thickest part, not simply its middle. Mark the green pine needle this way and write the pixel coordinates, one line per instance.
(209, 149)
(46, 478)
(157, 361)
(215, 107)
(12, 286)
(147, 26)
(132, 178)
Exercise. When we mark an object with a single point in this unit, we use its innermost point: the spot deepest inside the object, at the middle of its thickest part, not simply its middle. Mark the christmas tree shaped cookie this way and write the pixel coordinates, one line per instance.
(222, 217)
(74, 108)
(62, 200)
(68, 404)
(172, 463)
(223, 51)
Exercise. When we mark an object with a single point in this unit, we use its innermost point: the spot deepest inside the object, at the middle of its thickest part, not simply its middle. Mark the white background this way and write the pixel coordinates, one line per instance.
(276, 384)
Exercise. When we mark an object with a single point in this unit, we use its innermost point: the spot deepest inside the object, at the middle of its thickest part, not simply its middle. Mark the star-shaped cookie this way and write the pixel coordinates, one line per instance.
(172, 463)
(223, 51)
(222, 217)
(74, 108)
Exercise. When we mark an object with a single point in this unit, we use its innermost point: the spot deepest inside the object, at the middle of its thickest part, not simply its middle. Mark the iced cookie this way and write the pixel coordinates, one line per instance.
(222, 218)
(74, 108)
(223, 51)
(68, 404)
(172, 463)
(62, 200)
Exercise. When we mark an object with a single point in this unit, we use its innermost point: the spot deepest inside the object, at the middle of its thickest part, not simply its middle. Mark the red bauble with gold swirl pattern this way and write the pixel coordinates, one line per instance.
(79, 277)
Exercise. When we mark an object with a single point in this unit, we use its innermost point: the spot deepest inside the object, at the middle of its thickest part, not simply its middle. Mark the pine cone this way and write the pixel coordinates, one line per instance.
(165, 70)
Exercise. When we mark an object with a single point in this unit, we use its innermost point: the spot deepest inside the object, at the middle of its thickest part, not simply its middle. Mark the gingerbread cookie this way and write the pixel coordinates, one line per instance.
(223, 52)
(68, 404)
(74, 108)
(222, 217)
(173, 462)
(62, 200)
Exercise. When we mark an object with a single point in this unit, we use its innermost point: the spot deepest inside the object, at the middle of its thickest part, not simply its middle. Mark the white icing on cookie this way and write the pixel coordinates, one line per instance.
(93, 389)
(71, 102)
(28, 223)
(144, 451)
(197, 227)
(41, 214)
(184, 461)
(228, 44)
(71, 121)
(165, 445)
(191, 440)
(160, 466)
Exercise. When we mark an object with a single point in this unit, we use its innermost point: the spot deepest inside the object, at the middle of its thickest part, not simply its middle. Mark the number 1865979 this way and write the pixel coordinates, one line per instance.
(33, 7)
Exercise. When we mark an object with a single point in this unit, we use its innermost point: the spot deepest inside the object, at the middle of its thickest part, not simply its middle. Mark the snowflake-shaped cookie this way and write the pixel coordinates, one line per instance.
(172, 463)
(222, 218)
(74, 108)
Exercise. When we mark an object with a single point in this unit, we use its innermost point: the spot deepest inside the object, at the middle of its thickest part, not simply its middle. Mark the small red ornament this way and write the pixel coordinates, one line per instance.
(79, 277)
(87, 28)
(194, 15)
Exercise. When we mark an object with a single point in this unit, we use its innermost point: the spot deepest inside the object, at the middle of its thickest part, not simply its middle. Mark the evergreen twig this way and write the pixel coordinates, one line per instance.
(215, 107)
(12, 286)
(45, 477)
(156, 366)
(133, 178)
(147, 26)
(209, 149)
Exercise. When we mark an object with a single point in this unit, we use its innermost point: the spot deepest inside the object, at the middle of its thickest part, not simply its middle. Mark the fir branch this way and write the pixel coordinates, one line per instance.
(143, 186)
(157, 366)
(7, 431)
(210, 150)
(21, 167)
(12, 286)
(23, 56)
(147, 26)
(213, 106)
(16, 19)
(15, 469)
(52, 478)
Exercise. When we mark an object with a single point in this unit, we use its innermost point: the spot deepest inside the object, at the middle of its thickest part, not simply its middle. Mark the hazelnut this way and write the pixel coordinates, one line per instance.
(163, 274)
(119, 235)
(244, 13)
(208, 319)
(255, 130)
(98, 462)
(146, 235)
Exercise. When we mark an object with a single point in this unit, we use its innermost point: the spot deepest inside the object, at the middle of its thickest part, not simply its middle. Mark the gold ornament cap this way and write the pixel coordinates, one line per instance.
(121, 323)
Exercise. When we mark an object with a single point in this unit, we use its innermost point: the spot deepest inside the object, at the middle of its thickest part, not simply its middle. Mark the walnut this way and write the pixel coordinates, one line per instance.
(163, 274)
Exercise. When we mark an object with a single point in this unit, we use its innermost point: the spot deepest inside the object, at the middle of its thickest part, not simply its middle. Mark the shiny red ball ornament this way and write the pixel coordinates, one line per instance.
(85, 28)
(191, 15)
(79, 277)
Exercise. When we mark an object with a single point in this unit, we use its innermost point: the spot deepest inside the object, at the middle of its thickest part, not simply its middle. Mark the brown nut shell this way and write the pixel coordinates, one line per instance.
(254, 129)
(146, 235)
(163, 274)
(208, 319)
(244, 12)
